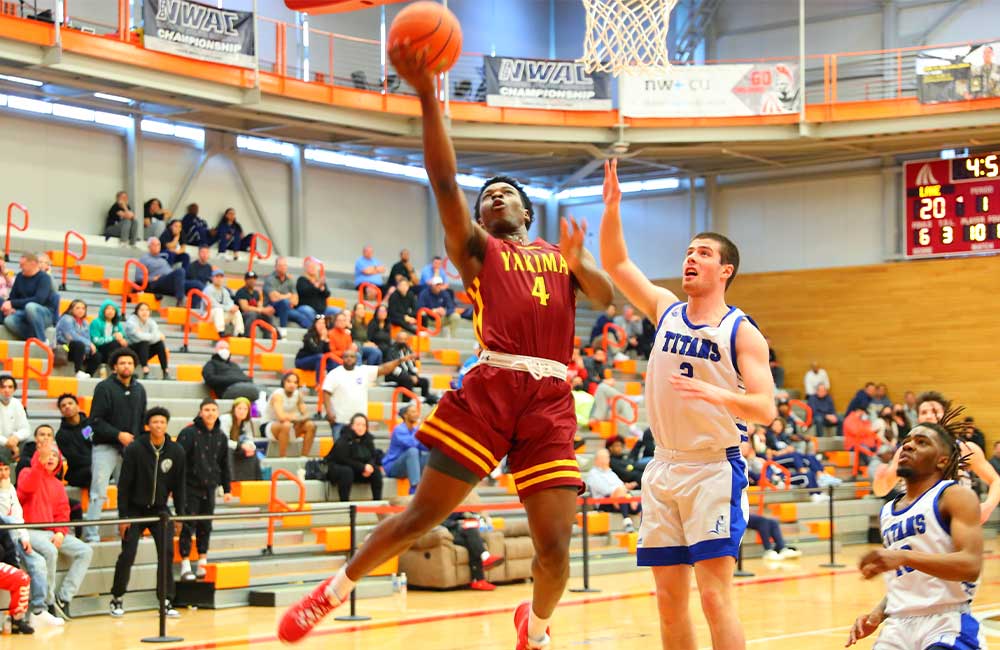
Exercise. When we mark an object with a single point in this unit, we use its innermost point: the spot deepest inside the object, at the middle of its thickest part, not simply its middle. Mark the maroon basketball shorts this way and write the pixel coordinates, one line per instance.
(500, 412)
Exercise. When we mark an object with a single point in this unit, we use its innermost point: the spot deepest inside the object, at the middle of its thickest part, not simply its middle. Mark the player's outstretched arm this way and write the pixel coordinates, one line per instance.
(646, 296)
(977, 463)
(594, 282)
(866, 624)
(961, 506)
(885, 476)
(464, 241)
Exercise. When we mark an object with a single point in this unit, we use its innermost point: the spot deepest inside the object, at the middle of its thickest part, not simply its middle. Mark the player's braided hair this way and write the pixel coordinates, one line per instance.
(949, 430)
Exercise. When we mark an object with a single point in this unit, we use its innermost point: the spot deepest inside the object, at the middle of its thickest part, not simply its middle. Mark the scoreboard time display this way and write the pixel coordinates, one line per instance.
(953, 206)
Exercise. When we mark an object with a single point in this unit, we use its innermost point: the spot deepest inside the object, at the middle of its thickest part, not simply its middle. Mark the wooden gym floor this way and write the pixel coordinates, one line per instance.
(787, 605)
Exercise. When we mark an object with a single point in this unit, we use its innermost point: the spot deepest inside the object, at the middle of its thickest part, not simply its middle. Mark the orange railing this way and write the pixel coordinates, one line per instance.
(200, 315)
(363, 292)
(396, 394)
(12, 226)
(322, 376)
(259, 324)
(422, 329)
(622, 338)
(41, 375)
(454, 276)
(618, 418)
(274, 504)
(766, 484)
(254, 253)
(128, 284)
(67, 255)
(797, 403)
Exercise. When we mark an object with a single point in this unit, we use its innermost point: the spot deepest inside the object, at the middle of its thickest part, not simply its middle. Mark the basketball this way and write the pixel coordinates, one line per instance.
(431, 25)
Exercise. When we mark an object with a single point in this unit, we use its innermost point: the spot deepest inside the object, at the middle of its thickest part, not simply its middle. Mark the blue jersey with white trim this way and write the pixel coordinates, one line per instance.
(705, 352)
(919, 527)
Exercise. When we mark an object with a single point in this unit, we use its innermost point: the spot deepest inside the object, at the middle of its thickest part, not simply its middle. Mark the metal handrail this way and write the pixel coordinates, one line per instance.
(67, 255)
(254, 254)
(614, 411)
(274, 504)
(128, 283)
(401, 390)
(259, 324)
(361, 295)
(201, 315)
(604, 336)
(11, 225)
(42, 375)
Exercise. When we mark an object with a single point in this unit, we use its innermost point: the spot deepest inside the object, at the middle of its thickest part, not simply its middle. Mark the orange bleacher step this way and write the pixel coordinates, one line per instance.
(334, 538)
(629, 541)
(387, 568)
(57, 260)
(786, 513)
(90, 272)
(187, 372)
(840, 458)
(325, 445)
(440, 382)
(628, 366)
(448, 357)
(297, 521)
(340, 303)
(598, 523)
(820, 529)
(252, 493)
(228, 575)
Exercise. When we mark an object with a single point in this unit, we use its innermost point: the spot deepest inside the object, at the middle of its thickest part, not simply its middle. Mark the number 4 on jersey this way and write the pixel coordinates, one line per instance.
(539, 292)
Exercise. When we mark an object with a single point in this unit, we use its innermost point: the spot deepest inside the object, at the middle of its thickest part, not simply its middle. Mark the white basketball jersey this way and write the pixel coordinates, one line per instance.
(919, 527)
(705, 352)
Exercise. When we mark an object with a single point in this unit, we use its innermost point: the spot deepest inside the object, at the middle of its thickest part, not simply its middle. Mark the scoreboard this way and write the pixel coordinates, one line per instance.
(952, 206)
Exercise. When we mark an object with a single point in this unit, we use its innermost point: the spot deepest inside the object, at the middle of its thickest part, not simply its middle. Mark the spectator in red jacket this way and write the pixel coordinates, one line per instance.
(44, 499)
(860, 434)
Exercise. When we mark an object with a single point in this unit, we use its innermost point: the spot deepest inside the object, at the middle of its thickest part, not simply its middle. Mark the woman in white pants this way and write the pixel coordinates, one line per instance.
(221, 307)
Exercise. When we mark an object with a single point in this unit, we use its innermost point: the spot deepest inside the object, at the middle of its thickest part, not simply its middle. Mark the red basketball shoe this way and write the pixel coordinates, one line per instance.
(304, 615)
(521, 615)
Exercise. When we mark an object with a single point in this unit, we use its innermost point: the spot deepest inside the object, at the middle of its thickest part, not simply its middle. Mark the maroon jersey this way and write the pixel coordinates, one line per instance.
(524, 300)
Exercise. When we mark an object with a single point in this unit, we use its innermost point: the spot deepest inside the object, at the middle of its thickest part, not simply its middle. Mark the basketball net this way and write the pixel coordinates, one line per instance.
(627, 36)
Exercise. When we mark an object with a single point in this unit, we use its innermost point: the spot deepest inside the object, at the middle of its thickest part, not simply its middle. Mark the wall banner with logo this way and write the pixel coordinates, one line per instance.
(545, 83)
(713, 91)
(199, 31)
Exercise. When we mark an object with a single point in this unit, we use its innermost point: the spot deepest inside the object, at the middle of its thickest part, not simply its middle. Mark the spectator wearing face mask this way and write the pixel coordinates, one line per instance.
(226, 379)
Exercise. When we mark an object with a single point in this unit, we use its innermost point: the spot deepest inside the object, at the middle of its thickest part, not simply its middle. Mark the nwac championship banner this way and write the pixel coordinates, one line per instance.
(544, 83)
(713, 91)
(199, 31)
(955, 74)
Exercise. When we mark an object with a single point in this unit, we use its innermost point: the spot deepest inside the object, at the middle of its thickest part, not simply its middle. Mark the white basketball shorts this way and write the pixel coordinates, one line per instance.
(955, 630)
(694, 507)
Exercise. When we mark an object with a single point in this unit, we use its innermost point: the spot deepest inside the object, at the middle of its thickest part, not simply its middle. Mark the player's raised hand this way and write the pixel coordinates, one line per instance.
(691, 388)
(410, 62)
(612, 190)
(865, 625)
(571, 236)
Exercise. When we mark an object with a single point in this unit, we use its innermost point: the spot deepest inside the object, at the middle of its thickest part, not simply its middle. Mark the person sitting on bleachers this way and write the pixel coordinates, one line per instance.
(771, 538)
(824, 413)
(402, 269)
(368, 269)
(861, 400)
(795, 428)
(380, 330)
(116, 413)
(107, 331)
(642, 452)
(576, 372)
(121, 222)
(354, 459)
(286, 415)
(226, 379)
(13, 421)
(194, 229)
(814, 378)
(73, 334)
(6, 281)
(777, 370)
(402, 306)
(206, 468)
(229, 234)
(470, 362)
(45, 266)
(250, 298)
(406, 373)
(315, 344)
(163, 280)
(597, 331)
(240, 428)
(595, 365)
(173, 245)
(44, 499)
(312, 290)
(32, 304)
(406, 457)
(44, 435)
(341, 340)
(359, 329)
(199, 272)
(145, 338)
(279, 289)
(27, 589)
(604, 395)
(438, 299)
(222, 309)
(631, 322)
(781, 451)
(880, 399)
(75, 440)
(604, 483)
(621, 464)
(154, 218)
(152, 474)
(433, 269)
